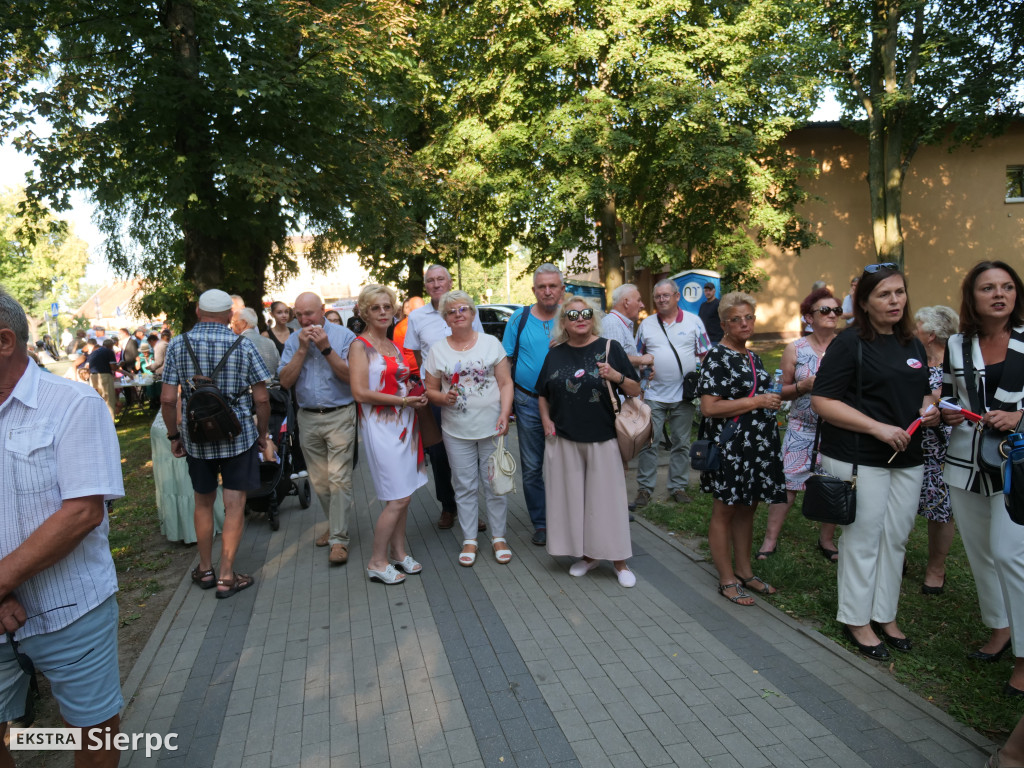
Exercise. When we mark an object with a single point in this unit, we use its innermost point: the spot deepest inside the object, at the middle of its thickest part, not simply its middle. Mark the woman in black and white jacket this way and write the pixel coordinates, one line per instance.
(992, 322)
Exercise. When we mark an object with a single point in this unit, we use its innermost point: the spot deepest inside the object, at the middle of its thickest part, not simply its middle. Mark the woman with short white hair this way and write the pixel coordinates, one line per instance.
(469, 378)
(934, 326)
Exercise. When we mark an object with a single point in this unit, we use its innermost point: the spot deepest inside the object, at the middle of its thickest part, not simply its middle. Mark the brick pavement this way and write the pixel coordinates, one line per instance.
(517, 665)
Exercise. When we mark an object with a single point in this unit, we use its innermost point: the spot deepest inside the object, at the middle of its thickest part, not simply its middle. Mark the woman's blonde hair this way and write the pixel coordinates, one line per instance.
(558, 332)
(369, 293)
(732, 300)
(455, 297)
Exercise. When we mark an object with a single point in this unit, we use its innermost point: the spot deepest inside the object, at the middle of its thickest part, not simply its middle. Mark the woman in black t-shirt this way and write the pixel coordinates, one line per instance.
(584, 481)
(872, 430)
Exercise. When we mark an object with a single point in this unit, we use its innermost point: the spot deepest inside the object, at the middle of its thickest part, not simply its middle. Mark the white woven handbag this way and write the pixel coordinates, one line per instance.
(501, 469)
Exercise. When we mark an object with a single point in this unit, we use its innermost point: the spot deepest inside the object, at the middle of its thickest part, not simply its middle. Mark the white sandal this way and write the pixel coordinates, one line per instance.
(502, 555)
(468, 558)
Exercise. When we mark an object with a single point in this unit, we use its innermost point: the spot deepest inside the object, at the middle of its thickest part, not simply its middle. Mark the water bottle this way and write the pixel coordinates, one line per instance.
(776, 387)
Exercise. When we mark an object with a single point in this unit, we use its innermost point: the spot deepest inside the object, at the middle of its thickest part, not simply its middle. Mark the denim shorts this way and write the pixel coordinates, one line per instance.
(80, 661)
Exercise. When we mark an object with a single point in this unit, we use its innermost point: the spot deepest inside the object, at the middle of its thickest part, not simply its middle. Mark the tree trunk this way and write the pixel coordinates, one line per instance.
(610, 264)
(414, 283)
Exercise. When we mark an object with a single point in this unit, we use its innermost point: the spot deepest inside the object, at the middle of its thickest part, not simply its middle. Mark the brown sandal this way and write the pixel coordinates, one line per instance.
(204, 579)
(236, 584)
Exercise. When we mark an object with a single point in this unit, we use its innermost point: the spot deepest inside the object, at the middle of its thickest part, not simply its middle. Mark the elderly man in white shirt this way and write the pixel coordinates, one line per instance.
(678, 341)
(426, 327)
(620, 323)
(60, 463)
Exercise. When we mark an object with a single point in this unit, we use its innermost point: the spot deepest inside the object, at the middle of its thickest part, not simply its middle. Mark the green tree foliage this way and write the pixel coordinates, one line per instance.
(563, 121)
(207, 132)
(41, 260)
(916, 72)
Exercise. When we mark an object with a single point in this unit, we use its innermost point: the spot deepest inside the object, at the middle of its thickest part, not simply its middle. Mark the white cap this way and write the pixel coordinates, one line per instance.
(215, 300)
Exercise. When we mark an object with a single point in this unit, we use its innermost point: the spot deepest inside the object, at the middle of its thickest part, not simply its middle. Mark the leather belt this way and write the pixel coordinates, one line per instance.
(525, 391)
(325, 410)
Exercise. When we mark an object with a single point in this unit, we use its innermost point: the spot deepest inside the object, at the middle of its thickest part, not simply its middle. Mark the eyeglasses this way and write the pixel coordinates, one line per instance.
(572, 315)
(665, 296)
(888, 265)
(740, 319)
(457, 310)
(825, 311)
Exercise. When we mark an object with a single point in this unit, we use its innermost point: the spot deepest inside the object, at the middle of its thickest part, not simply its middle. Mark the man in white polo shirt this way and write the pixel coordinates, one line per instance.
(677, 340)
(620, 323)
(427, 327)
(59, 464)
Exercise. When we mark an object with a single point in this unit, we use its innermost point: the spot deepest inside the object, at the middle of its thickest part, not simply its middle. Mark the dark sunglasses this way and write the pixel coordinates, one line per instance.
(888, 265)
(578, 314)
(825, 311)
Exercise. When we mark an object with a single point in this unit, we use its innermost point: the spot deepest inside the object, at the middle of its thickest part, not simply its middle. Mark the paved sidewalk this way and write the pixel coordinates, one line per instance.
(516, 665)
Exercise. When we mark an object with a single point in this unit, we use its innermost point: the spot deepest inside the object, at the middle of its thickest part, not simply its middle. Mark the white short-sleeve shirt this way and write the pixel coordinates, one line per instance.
(478, 406)
(690, 340)
(58, 443)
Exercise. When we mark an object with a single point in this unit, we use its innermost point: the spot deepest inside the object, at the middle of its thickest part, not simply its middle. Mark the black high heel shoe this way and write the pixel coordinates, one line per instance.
(874, 652)
(990, 657)
(899, 643)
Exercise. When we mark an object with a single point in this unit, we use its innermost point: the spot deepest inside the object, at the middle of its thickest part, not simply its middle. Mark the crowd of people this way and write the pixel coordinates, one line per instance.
(888, 402)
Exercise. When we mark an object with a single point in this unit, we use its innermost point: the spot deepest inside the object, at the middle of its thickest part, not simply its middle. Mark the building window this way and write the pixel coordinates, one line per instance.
(1015, 183)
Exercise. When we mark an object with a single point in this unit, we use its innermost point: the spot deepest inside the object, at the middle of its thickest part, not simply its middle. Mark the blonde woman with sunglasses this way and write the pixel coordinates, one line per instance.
(584, 481)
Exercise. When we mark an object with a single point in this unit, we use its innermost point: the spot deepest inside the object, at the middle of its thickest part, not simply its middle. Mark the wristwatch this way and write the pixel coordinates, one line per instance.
(175, 436)
(326, 351)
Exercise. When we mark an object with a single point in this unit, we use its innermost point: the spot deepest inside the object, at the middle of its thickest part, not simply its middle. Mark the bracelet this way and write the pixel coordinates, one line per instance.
(175, 436)
(797, 388)
(623, 379)
(405, 402)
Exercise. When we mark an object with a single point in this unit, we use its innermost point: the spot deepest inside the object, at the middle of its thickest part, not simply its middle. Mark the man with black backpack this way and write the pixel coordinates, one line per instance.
(222, 378)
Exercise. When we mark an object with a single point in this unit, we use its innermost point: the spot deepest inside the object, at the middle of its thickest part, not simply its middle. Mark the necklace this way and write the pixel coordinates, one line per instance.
(378, 344)
(467, 345)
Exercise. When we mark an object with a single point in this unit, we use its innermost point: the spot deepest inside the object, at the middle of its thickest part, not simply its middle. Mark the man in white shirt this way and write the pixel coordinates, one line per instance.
(427, 327)
(619, 324)
(677, 341)
(60, 463)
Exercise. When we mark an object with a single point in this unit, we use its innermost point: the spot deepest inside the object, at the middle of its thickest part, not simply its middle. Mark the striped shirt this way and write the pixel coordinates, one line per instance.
(243, 368)
(58, 443)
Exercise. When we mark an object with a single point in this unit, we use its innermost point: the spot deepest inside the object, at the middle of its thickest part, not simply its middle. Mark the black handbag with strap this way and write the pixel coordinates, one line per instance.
(706, 455)
(827, 498)
(992, 445)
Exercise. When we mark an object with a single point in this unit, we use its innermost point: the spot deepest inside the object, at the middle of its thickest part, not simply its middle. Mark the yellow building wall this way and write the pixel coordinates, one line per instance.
(954, 215)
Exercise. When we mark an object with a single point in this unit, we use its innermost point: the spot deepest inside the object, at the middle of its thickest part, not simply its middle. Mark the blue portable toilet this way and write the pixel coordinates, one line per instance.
(588, 289)
(691, 287)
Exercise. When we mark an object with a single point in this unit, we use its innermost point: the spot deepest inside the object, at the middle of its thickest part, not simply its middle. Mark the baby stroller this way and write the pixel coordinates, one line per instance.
(276, 483)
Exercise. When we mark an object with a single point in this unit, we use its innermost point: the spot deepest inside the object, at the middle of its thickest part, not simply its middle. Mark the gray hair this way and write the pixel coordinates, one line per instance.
(548, 268)
(666, 281)
(818, 285)
(940, 320)
(455, 297)
(733, 300)
(248, 316)
(13, 317)
(443, 268)
(620, 293)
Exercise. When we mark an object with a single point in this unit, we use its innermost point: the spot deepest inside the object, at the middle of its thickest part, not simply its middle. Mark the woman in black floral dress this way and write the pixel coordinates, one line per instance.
(734, 386)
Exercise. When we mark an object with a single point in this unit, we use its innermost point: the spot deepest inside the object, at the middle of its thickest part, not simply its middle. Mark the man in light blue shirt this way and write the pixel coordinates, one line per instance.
(315, 362)
(526, 350)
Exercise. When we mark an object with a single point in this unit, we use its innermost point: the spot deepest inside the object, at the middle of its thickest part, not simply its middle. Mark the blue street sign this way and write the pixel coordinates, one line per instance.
(54, 309)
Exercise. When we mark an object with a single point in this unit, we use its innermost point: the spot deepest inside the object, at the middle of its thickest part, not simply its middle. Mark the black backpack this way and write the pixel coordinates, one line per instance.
(208, 414)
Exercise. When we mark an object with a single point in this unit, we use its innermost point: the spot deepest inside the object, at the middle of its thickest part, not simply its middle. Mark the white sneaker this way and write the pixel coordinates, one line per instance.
(303, 473)
(626, 578)
(294, 476)
(583, 567)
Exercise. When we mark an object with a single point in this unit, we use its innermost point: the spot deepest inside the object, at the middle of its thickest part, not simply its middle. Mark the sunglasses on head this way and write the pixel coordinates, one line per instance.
(887, 265)
(825, 311)
(578, 314)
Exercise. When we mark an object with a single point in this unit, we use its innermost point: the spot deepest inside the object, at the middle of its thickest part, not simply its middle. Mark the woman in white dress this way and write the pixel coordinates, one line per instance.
(389, 432)
(468, 377)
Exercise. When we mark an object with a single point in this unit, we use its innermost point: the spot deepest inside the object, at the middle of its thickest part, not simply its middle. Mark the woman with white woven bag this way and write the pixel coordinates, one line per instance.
(468, 376)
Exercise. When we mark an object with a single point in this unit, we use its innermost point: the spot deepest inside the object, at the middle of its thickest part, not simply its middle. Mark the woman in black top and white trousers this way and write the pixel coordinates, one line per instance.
(992, 320)
(894, 391)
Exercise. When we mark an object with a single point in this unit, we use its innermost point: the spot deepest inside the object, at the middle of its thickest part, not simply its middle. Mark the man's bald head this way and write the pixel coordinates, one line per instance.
(309, 309)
